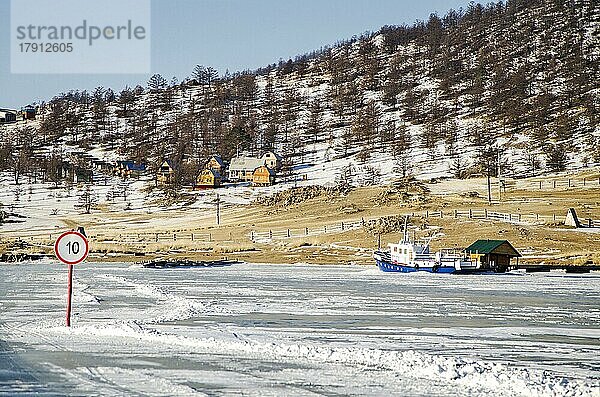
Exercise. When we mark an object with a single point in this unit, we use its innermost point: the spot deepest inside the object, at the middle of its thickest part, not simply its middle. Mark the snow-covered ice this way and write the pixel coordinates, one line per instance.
(297, 330)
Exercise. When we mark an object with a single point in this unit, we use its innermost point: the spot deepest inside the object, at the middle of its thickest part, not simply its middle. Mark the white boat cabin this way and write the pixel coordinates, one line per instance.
(408, 253)
(417, 254)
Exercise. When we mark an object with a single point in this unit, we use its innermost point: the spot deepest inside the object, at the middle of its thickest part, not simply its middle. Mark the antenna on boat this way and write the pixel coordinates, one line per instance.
(405, 237)
(428, 241)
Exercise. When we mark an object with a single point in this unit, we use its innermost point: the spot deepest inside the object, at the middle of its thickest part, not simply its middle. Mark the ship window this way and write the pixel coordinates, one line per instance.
(395, 249)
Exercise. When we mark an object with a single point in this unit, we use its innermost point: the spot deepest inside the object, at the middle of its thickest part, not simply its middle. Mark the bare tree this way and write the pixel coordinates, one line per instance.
(87, 200)
(403, 165)
(371, 176)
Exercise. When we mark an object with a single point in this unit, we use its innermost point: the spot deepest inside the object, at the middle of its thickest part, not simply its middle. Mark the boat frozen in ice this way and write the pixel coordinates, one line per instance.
(412, 256)
(409, 256)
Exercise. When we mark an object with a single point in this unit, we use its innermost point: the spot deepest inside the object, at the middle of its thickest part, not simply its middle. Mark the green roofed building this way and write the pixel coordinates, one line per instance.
(493, 254)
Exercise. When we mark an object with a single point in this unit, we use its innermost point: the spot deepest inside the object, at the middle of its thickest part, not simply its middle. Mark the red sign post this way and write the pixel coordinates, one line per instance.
(71, 248)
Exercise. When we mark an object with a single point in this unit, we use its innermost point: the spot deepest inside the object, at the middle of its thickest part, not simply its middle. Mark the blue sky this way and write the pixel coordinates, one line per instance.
(225, 34)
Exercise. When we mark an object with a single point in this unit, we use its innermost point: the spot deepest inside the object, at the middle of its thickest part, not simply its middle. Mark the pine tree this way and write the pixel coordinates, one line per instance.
(211, 75)
(157, 82)
(199, 74)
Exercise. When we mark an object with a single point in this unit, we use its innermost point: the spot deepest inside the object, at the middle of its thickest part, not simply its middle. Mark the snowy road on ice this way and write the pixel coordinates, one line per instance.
(297, 330)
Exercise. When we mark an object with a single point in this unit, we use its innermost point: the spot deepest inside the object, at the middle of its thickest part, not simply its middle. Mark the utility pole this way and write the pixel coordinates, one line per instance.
(218, 209)
(489, 182)
(489, 188)
(499, 180)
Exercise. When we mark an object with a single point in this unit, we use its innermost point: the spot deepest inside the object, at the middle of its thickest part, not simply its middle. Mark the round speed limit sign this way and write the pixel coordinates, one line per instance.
(71, 248)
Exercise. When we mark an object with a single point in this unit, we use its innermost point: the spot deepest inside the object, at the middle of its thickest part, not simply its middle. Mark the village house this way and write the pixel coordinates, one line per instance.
(8, 116)
(216, 163)
(128, 169)
(103, 166)
(82, 175)
(208, 179)
(81, 157)
(165, 174)
(272, 160)
(263, 176)
(242, 168)
(28, 112)
(74, 173)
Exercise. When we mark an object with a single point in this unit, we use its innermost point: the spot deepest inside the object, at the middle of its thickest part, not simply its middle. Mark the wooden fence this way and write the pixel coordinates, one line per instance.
(480, 214)
(590, 222)
(274, 234)
(486, 214)
(549, 184)
(304, 232)
(145, 238)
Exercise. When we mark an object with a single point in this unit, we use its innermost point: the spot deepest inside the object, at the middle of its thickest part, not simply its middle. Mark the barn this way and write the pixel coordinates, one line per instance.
(493, 254)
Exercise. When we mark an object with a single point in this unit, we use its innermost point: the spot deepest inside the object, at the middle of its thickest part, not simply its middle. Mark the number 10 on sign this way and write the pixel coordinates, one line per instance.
(71, 248)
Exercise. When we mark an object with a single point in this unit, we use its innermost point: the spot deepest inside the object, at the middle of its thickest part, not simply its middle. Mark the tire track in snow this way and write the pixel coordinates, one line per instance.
(497, 378)
(171, 307)
(136, 381)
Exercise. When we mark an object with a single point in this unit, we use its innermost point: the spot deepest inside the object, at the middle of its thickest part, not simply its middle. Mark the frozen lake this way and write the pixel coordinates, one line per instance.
(297, 330)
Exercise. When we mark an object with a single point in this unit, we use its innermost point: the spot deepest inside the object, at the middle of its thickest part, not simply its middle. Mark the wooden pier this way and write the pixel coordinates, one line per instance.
(573, 269)
(22, 257)
(184, 263)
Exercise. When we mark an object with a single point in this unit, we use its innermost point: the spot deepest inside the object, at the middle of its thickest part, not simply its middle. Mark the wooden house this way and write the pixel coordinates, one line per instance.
(8, 116)
(263, 176)
(166, 173)
(74, 173)
(103, 166)
(208, 179)
(493, 254)
(63, 169)
(272, 160)
(242, 168)
(29, 112)
(118, 168)
(128, 169)
(82, 175)
(216, 163)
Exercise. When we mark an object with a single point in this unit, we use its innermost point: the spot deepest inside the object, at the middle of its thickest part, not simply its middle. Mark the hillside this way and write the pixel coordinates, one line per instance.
(514, 82)
(509, 88)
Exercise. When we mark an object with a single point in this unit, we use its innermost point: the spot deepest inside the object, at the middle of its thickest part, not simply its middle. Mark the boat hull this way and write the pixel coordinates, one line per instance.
(396, 268)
